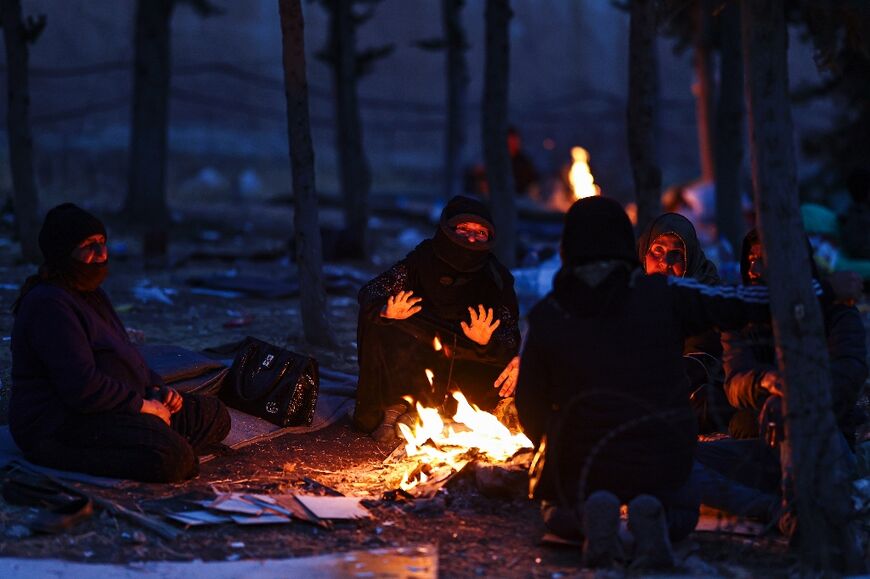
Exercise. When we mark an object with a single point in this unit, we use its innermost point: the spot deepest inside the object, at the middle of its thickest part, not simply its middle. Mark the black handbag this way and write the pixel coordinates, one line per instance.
(272, 383)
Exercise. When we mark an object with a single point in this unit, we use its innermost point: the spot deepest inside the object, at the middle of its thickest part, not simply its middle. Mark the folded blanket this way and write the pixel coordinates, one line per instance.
(185, 370)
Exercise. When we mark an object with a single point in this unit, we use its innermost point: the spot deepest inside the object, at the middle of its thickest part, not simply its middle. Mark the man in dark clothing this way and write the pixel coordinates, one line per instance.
(451, 287)
(602, 380)
(669, 246)
(742, 474)
(82, 397)
(749, 357)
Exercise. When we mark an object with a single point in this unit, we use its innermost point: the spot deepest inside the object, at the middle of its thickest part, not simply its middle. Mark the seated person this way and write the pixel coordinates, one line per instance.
(602, 387)
(451, 287)
(749, 357)
(82, 397)
(669, 245)
(742, 475)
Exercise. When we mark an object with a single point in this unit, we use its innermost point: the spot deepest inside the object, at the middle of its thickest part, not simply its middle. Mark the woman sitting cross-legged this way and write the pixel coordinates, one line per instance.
(602, 388)
(82, 397)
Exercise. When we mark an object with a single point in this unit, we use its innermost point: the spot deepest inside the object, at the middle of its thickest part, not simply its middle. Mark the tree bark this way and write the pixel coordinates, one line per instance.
(354, 173)
(643, 95)
(309, 254)
(729, 130)
(24, 193)
(494, 124)
(704, 106)
(457, 96)
(146, 188)
(812, 458)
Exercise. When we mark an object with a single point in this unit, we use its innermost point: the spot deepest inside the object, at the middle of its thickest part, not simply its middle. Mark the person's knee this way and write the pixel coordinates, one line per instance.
(169, 463)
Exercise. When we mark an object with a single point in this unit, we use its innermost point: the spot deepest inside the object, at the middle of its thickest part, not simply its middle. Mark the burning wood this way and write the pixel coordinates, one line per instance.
(438, 450)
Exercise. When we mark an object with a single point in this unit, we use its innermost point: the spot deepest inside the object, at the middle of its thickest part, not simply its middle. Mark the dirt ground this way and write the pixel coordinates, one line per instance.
(475, 535)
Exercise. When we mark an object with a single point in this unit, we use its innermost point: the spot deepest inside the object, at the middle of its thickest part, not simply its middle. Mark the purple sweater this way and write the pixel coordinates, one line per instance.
(71, 356)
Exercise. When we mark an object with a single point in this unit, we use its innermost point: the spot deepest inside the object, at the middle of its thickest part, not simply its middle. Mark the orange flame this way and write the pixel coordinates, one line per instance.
(432, 442)
(436, 343)
(580, 175)
(430, 376)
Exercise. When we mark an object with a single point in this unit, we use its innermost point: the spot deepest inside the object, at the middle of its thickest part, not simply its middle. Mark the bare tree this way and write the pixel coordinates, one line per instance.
(17, 34)
(457, 95)
(454, 43)
(729, 129)
(812, 458)
(309, 255)
(643, 95)
(348, 66)
(703, 63)
(494, 116)
(146, 186)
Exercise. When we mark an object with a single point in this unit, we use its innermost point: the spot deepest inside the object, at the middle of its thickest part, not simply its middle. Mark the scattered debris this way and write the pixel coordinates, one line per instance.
(145, 292)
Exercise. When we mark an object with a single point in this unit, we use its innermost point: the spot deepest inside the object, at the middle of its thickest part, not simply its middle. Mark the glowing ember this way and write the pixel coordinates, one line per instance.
(430, 376)
(580, 175)
(438, 449)
(436, 343)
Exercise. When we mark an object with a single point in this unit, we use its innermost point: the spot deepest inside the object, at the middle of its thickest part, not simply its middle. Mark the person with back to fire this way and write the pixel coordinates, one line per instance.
(602, 387)
(82, 396)
(452, 288)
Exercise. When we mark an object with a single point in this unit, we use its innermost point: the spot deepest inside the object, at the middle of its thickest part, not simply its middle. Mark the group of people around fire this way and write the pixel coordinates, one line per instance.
(637, 349)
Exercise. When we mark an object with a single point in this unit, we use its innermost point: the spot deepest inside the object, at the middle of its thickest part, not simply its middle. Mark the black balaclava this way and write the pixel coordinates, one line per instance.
(451, 271)
(66, 226)
(698, 267)
(455, 250)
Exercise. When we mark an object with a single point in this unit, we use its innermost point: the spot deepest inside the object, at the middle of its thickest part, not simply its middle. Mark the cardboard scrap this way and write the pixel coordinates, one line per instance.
(334, 507)
(198, 518)
(262, 509)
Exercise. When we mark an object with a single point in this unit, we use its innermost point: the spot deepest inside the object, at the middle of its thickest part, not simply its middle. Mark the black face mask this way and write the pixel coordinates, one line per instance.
(458, 254)
(86, 277)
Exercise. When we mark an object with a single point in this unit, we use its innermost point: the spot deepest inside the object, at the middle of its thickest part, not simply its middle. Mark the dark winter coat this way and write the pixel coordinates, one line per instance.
(71, 356)
(750, 352)
(610, 380)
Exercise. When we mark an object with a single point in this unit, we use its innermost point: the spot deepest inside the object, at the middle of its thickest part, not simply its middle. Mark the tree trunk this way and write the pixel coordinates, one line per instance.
(812, 457)
(494, 124)
(643, 94)
(24, 194)
(729, 130)
(354, 174)
(309, 255)
(703, 64)
(457, 96)
(146, 188)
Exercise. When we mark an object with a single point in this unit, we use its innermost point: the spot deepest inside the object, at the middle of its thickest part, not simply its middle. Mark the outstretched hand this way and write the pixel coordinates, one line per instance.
(481, 327)
(401, 306)
(507, 380)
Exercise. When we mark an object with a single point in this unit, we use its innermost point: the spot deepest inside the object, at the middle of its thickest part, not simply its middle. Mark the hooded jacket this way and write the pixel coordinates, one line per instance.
(605, 381)
(750, 352)
(698, 267)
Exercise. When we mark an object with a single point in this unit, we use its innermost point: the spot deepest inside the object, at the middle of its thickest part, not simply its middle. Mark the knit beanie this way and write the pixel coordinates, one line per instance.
(66, 226)
(596, 229)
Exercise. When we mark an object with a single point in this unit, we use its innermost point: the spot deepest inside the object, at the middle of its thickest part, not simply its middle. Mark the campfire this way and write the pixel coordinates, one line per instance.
(436, 449)
(580, 175)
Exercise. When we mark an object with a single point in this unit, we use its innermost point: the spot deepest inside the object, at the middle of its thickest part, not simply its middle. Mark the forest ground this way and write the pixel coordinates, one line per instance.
(475, 535)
